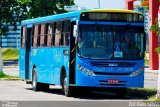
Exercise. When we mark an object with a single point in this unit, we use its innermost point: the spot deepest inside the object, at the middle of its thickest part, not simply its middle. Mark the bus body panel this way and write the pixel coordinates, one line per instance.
(109, 73)
(48, 62)
(22, 63)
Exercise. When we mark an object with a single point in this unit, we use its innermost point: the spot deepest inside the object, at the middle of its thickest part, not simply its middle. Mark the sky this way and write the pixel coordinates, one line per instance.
(120, 4)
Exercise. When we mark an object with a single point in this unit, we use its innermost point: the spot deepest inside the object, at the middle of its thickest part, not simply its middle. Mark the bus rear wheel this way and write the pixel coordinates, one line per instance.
(36, 85)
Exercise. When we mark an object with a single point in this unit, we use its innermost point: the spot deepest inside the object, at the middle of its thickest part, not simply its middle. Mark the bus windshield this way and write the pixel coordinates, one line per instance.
(110, 42)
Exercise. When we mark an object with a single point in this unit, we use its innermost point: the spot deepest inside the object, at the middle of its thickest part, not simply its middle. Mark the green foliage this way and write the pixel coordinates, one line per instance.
(10, 54)
(11, 12)
(145, 7)
(153, 98)
(154, 28)
(3, 75)
(146, 60)
(144, 93)
(24, 1)
(38, 8)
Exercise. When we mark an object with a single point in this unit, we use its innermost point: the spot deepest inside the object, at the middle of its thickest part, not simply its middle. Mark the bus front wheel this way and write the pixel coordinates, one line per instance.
(121, 93)
(68, 90)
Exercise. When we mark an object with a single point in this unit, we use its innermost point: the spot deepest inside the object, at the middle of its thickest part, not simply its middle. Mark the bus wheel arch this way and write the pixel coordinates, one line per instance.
(35, 84)
(62, 76)
(67, 90)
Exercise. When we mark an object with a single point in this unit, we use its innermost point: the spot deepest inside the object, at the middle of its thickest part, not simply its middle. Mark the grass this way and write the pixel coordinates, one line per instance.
(3, 75)
(153, 98)
(10, 54)
(146, 60)
(143, 93)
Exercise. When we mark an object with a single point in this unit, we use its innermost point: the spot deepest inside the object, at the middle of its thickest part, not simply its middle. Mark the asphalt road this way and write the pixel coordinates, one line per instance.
(20, 91)
(21, 94)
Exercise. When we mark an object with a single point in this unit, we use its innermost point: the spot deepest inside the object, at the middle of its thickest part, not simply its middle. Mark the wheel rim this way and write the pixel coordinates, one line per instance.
(65, 86)
(34, 81)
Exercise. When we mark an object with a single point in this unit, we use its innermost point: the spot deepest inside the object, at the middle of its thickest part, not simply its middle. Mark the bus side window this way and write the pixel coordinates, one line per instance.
(66, 32)
(58, 33)
(42, 35)
(35, 36)
(49, 34)
(46, 34)
(53, 33)
(23, 36)
(39, 35)
(32, 36)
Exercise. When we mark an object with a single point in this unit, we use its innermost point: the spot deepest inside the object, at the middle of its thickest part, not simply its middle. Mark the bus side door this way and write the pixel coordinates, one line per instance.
(27, 51)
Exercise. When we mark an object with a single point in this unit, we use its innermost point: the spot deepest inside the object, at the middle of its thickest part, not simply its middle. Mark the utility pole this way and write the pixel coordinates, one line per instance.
(99, 4)
(1, 62)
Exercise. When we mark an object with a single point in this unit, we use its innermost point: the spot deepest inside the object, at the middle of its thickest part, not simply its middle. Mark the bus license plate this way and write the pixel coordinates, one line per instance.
(113, 81)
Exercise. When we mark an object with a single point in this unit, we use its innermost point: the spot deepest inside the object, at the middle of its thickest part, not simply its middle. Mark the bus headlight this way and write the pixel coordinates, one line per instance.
(137, 72)
(86, 71)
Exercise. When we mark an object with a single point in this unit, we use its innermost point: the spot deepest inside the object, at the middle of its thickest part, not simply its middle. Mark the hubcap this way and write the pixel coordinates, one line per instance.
(65, 86)
(34, 81)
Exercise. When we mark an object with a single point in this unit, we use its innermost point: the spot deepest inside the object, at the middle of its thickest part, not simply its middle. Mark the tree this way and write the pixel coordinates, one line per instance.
(38, 8)
(11, 12)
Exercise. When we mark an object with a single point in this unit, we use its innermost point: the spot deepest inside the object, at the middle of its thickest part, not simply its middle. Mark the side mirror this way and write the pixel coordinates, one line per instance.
(75, 31)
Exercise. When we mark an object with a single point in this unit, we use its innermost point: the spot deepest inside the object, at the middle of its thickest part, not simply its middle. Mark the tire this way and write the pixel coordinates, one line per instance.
(38, 86)
(35, 84)
(121, 93)
(68, 90)
(44, 86)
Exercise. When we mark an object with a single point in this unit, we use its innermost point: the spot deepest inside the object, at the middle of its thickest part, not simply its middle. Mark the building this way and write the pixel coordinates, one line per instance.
(11, 39)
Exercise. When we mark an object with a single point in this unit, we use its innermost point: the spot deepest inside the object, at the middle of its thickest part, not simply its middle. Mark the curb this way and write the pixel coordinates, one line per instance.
(154, 74)
(10, 79)
(11, 66)
(151, 79)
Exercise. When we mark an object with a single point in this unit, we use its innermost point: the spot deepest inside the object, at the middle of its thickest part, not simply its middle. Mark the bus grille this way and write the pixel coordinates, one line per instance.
(112, 64)
(112, 73)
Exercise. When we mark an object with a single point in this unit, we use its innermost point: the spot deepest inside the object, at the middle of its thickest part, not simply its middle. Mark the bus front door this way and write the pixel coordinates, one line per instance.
(72, 56)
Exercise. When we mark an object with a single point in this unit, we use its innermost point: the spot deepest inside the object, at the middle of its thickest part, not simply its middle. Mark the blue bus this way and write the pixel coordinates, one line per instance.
(98, 48)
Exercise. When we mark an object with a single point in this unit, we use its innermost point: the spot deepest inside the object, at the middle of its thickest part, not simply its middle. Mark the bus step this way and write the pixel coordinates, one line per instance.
(28, 82)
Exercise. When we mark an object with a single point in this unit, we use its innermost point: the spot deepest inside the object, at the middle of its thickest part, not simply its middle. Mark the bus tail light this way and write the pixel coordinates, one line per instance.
(133, 74)
(86, 71)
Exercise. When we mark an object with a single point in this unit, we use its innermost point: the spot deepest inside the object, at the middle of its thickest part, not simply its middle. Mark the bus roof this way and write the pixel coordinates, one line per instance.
(71, 15)
(113, 10)
(51, 18)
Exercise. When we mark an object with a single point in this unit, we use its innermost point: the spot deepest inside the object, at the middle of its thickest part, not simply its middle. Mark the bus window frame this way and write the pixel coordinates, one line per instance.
(42, 34)
(66, 33)
(49, 34)
(38, 36)
(23, 36)
(58, 34)
(35, 36)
